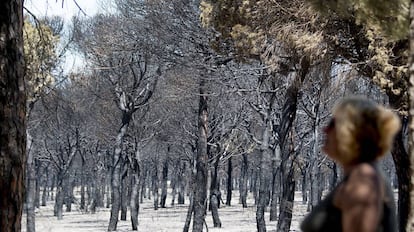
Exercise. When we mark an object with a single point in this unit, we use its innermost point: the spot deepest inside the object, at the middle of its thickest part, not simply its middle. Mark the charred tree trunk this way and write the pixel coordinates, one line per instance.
(243, 181)
(275, 184)
(288, 116)
(142, 179)
(200, 185)
(38, 183)
(288, 192)
(30, 191)
(68, 193)
(229, 181)
(264, 193)
(60, 198)
(109, 170)
(12, 116)
(189, 215)
(173, 189)
(155, 187)
(44, 194)
(164, 183)
(124, 193)
(134, 203)
(116, 173)
(265, 169)
(402, 161)
(215, 195)
(181, 184)
(82, 201)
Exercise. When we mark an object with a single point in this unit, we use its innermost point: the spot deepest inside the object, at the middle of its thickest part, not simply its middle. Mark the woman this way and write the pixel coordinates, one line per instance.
(358, 135)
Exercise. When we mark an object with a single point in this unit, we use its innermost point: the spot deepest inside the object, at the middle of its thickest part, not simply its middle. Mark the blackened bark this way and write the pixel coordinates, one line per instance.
(124, 194)
(59, 202)
(243, 181)
(214, 202)
(181, 184)
(215, 195)
(69, 194)
(275, 192)
(200, 182)
(286, 166)
(142, 187)
(12, 116)
(229, 181)
(44, 194)
(264, 191)
(134, 204)
(155, 187)
(116, 174)
(82, 201)
(189, 215)
(37, 183)
(402, 161)
(30, 189)
(265, 168)
(164, 183)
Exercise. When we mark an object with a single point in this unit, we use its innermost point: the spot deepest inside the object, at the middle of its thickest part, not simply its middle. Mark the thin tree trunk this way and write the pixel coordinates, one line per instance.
(164, 183)
(142, 185)
(44, 194)
(402, 160)
(181, 185)
(264, 193)
(12, 116)
(189, 215)
(243, 181)
(214, 202)
(124, 195)
(37, 183)
(69, 194)
(59, 202)
(215, 195)
(155, 187)
(94, 199)
(134, 204)
(229, 181)
(82, 202)
(173, 191)
(288, 116)
(200, 185)
(275, 183)
(30, 197)
(108, 181)
(116, 174)
(265, 169)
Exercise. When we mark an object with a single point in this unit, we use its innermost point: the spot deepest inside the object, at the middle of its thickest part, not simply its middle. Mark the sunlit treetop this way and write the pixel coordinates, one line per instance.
(391, 18)
(40, 52)
(264, 28)
(371, 35)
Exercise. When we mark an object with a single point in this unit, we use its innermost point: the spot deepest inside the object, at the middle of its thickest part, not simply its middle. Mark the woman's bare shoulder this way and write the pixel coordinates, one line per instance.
(361, 187)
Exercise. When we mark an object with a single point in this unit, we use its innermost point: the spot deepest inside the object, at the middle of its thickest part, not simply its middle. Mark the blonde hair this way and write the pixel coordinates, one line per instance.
(365, 130)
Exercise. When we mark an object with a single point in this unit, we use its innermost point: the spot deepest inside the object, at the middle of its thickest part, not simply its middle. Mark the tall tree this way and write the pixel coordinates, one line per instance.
(410, 219)
(12, 115)
(40, 59)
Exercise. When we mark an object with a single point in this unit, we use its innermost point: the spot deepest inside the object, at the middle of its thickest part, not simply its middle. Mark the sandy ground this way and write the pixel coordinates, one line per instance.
(234, 218)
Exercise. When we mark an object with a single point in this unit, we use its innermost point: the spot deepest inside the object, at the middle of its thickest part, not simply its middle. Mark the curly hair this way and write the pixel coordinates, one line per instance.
(364, 130)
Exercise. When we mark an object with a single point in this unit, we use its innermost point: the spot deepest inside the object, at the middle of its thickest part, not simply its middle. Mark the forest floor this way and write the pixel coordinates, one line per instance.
(172, 218)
